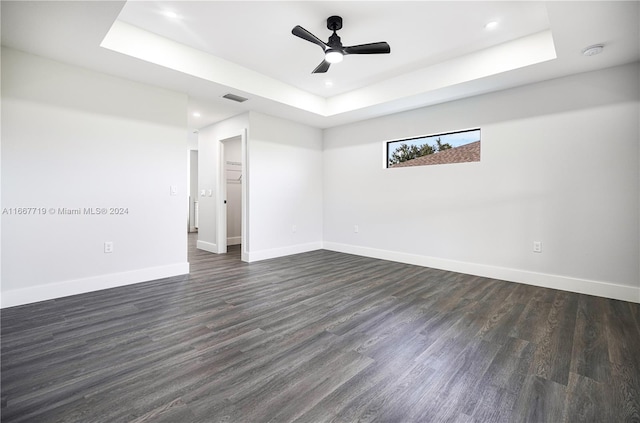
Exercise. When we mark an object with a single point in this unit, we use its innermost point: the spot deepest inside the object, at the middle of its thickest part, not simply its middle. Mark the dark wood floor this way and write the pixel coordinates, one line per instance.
(321, 337)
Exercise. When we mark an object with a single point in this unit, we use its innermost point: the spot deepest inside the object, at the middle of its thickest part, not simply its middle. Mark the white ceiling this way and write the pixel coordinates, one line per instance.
(440, 51)
(257, 35)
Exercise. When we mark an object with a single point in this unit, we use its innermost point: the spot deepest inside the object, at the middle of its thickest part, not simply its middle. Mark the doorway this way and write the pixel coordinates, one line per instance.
(230, 226)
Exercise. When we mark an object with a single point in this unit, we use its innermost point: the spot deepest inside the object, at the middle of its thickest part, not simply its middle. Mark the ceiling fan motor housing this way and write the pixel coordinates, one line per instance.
(334, 23)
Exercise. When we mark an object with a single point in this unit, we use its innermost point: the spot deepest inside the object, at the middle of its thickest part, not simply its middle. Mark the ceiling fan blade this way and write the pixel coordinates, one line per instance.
(322, 67)
(371, 48)
(299, 31)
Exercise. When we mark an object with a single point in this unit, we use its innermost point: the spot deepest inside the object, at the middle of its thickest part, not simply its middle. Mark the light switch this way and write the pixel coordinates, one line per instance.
(173, 190)
(203, 193)
(537, 246)
(210, 193)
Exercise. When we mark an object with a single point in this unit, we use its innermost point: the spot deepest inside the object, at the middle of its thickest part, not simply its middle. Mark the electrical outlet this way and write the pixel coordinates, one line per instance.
(356, 229)
(537, 246)
(108, 247)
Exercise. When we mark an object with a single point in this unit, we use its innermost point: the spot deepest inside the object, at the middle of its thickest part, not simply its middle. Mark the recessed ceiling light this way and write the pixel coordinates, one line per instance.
(171, 14)
(328, 83)
(593, 50)
(491, 25)
(196, 114)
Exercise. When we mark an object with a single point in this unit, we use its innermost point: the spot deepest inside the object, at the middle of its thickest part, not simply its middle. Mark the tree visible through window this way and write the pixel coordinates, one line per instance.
(452, 147)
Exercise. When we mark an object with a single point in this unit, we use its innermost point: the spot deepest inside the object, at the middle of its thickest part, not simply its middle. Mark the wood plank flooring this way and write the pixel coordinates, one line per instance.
(321, 337)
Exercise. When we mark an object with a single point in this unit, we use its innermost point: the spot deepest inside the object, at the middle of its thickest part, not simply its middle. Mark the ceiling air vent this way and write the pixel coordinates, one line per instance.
(234, 98)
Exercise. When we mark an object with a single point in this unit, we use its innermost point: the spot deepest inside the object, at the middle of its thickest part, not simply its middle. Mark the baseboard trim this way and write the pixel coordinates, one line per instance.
(233, 240)
(51, 291)
(564, 283)
(284, 251)
(207, 246)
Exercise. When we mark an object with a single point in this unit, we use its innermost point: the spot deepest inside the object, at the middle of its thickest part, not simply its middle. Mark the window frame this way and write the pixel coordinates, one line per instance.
(387, 144)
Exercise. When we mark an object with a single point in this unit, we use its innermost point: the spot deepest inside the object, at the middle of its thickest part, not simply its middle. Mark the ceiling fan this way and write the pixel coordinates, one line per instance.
(333, 50)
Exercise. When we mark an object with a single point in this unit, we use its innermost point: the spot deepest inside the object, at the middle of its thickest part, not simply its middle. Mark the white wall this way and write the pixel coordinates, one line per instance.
(79, 139)
(283, 177)
(285, 187)
(560, 164)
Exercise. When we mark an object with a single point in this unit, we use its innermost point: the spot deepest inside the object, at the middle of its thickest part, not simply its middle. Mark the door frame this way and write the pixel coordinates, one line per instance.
(221, 206)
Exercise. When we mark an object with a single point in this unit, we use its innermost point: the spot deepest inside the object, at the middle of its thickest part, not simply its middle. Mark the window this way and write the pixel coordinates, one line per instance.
(450, 147)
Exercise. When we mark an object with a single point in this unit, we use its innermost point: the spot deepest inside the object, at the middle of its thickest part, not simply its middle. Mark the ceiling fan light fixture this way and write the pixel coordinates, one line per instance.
(333, 56)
